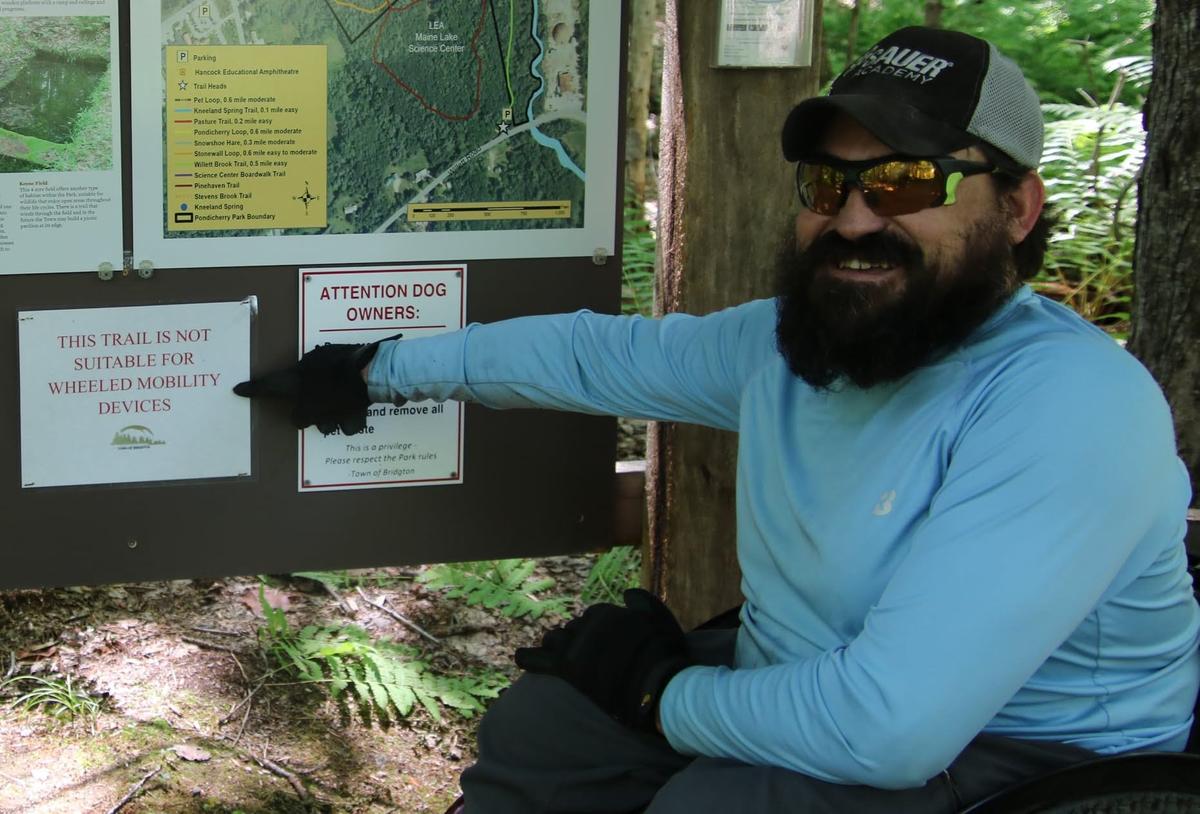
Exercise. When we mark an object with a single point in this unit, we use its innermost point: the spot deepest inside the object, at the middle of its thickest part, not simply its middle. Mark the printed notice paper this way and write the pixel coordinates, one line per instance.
(765, 33)
(60, 167)
(414, 444)
(121, 395)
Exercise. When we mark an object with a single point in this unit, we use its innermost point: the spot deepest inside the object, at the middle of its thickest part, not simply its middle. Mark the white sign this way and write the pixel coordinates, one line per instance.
(419, 443)
(60, 136)
(120, 395)
(765, 34)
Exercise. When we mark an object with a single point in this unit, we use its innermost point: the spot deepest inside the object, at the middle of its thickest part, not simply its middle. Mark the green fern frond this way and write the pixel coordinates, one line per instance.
(506, 586)
(385, 679)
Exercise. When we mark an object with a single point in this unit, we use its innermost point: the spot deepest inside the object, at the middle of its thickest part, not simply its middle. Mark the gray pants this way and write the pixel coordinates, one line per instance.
(546, 749)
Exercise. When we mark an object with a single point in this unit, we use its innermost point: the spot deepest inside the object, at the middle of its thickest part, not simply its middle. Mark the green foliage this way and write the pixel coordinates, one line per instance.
(1091, 163)
(613, 572)
(383, 679)
(60, 698)
(1060, 44)
(504, 585)
(637, 261)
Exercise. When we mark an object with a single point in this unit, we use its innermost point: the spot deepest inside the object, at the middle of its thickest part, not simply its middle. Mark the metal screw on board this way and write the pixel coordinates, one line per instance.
(600, 257)
(132, 544)
(105, 272)
(145, 270)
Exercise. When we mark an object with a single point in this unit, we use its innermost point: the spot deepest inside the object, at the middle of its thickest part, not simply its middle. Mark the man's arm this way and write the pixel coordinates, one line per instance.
(1056, 476)
(680, 368)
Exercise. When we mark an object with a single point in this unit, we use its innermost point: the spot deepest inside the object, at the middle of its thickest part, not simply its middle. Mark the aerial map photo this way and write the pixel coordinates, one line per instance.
(439, 115)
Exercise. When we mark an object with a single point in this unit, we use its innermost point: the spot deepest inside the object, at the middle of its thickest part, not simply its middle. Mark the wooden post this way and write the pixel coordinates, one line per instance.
(726, 199)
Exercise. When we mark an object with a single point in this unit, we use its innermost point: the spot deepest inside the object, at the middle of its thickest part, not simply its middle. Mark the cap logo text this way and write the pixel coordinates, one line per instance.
(903, 63)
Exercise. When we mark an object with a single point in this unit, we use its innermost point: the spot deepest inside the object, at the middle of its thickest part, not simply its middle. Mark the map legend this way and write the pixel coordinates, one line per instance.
(246, 137)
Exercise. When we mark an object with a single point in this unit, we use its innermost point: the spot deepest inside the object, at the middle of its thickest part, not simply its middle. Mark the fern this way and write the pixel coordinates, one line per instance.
(1091, 164)
(613, 572)
(384, 679)
(507, 586)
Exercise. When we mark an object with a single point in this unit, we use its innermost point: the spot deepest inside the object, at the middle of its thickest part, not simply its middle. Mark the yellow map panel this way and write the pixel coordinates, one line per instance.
(246, 140)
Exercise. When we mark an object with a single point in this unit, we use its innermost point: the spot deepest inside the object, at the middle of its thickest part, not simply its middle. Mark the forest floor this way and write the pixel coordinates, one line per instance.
(187, 722)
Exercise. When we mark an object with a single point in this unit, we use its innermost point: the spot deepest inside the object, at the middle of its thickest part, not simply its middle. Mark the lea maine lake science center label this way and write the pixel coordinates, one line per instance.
(246, 137)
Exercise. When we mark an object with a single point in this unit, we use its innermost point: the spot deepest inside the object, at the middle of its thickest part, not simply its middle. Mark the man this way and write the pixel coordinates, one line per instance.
(960, 511)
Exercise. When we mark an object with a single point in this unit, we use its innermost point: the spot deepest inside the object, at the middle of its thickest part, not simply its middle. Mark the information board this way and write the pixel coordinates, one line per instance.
(130, 459)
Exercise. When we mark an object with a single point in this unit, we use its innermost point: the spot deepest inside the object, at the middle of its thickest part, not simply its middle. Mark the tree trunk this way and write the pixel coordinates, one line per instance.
(1166, 309)
(852, 32)
(933, 13)
(637, 100)
(726, 198)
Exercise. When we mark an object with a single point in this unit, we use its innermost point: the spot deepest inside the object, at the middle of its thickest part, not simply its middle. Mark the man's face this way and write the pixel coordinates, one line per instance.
(872, 297)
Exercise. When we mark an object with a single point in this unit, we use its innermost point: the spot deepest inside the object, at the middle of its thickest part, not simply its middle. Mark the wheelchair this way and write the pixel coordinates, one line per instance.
(1130, 783)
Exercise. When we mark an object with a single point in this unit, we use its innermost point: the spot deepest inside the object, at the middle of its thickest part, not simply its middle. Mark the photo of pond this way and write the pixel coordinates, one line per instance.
(55, 94)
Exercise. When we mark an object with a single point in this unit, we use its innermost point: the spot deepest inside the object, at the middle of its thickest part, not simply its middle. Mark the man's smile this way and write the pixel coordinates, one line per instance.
(863, 270)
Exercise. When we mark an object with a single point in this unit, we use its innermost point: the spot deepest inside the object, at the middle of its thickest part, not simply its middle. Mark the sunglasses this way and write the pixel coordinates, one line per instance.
(891, 185)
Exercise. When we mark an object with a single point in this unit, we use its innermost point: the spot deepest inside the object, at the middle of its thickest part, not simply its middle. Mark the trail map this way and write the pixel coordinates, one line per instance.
(434, 118)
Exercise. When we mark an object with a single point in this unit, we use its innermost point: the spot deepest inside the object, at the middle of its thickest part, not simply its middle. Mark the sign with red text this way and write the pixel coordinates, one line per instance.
(121, 395)
(414, 444)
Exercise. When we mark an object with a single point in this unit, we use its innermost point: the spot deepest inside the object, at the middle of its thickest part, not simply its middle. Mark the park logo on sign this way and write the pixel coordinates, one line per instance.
(135, 436)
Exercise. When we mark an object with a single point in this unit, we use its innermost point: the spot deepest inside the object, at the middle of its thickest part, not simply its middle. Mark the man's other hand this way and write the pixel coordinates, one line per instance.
(620, 658)
(325, 388)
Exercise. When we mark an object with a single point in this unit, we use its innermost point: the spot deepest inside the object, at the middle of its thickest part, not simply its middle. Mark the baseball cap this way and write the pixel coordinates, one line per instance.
(925, 92)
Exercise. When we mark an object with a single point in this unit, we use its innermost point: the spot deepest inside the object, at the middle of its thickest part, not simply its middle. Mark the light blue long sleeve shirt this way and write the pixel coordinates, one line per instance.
(992, 543)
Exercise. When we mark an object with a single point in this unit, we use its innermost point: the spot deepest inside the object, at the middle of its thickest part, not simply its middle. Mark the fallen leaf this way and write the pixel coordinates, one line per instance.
(44, 650)
(192, 753)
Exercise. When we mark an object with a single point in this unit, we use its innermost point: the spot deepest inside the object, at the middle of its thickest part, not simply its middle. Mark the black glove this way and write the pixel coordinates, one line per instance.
(620, 658)
(325, 387)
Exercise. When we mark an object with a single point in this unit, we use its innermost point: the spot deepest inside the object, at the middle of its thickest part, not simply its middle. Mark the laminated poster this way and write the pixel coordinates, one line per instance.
(275, 132)
(142, 393)
(60, 165)
(415, 444)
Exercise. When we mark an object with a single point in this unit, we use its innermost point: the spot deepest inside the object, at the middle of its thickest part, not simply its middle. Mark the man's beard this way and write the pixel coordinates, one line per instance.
(828, 327)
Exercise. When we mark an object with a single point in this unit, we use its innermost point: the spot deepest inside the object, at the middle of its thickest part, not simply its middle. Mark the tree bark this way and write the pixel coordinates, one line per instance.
(726, 199)
(852, 31)
(637, 100)
(933, 13)
(1166, 308)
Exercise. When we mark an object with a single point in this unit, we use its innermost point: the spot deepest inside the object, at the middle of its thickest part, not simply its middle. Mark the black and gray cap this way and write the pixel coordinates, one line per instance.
(925, 92)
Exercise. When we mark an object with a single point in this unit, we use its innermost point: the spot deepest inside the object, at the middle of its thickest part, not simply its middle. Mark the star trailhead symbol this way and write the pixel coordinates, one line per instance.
(503, 127)
(182, 85)
(306, 198)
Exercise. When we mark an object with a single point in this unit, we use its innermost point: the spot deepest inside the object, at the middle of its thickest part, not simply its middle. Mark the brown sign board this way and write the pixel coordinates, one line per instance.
(534, 482)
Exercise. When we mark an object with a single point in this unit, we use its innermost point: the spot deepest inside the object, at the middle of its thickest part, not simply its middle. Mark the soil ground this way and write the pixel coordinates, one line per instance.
(182, 728)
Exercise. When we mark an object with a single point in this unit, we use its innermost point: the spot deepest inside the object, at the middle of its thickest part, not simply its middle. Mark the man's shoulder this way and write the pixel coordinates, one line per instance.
(1049, 364)
(1039, 337)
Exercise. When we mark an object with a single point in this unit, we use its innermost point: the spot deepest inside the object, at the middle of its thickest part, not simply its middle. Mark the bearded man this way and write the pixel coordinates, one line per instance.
(960, 509)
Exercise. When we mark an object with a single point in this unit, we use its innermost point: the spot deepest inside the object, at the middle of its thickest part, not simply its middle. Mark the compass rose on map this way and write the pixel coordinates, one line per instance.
(306, 198)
